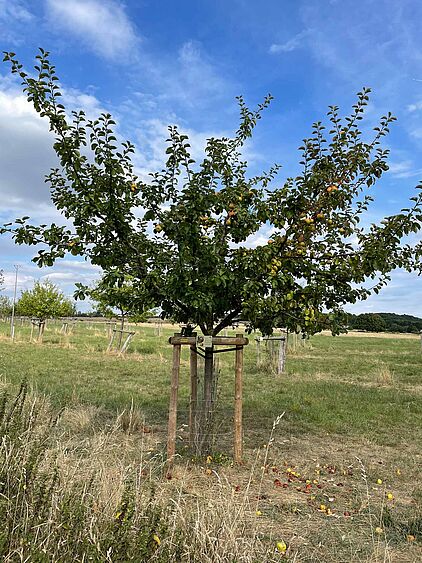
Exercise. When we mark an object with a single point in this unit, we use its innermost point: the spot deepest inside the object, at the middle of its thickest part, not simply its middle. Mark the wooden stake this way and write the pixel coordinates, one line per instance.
(110, 344)
(238, 431)
(172, 425)
(126, 343)
(41, 327)
(281, 356)
(193, 394)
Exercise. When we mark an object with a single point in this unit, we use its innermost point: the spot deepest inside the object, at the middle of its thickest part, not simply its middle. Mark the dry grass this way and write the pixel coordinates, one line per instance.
(351, 419)
(384, 375)
(318, 497)
(362, 334)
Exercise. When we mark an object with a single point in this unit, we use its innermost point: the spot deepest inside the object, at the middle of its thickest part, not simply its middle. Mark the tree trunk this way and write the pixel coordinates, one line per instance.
(122, 327)
(193, 404)
(204, 441)
(238, 405)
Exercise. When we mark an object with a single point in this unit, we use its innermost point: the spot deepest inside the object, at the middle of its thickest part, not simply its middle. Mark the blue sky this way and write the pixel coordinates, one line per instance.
(155, 63)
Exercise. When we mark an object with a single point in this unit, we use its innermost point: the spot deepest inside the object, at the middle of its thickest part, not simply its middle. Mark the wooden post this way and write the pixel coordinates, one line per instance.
(126, 343)
(41, 327)
(110, 344)
(269, 348)
(258, 352)
(281, 356)
(172, 425)
(193, 395)
(238, 431)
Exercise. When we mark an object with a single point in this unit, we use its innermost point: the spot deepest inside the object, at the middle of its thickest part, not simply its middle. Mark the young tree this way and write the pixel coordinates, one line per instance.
(199, 265)
(44, 301)
(5, 302)
(110, 295)
(5, 306)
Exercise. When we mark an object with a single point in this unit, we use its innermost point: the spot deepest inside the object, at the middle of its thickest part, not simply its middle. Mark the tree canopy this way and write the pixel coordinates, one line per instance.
(185, 237)
(5, 302)
(384, 322)
(111, 297)
(44, 301)
(5, 306)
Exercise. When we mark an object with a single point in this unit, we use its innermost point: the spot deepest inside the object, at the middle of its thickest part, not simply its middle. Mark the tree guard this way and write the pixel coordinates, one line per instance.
(67, 327)
(110, 326)
(40, 324)
(120, 347)
(279, 359)
(204, 346)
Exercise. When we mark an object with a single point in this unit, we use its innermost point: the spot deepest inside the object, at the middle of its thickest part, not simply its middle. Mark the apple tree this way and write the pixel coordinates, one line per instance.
(187, 235)
(110, 295)
(44, 301)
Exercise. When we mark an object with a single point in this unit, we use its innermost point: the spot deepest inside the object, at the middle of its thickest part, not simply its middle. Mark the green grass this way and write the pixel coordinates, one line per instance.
(332, 385)
(353, 409)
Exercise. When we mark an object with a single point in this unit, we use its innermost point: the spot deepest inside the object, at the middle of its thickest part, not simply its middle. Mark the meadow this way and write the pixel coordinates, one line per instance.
(332, 452)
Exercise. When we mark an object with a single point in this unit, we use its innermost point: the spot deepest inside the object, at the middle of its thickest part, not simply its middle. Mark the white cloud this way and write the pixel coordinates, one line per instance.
(404, 169)
(64, 275)
(14, 17)
(415, 107)
(15, 10)
(26, 154)
(417, 133)
(290, 45)
(25, 157)
(102, 25)
(193, 79)
(400, 296)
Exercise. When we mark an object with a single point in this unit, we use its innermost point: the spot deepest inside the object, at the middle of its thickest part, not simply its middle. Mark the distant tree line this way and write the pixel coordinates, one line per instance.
(384, 322)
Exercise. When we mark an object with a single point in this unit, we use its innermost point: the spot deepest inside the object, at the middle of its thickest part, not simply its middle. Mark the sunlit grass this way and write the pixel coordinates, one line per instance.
(348, 402)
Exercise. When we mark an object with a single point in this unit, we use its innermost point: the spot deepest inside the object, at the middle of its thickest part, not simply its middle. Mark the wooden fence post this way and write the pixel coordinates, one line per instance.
(193, 394)
(281, 356)
(238, 430)
(172, 425)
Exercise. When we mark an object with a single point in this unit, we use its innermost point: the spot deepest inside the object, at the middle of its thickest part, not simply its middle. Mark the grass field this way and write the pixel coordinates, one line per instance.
(336, 479)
